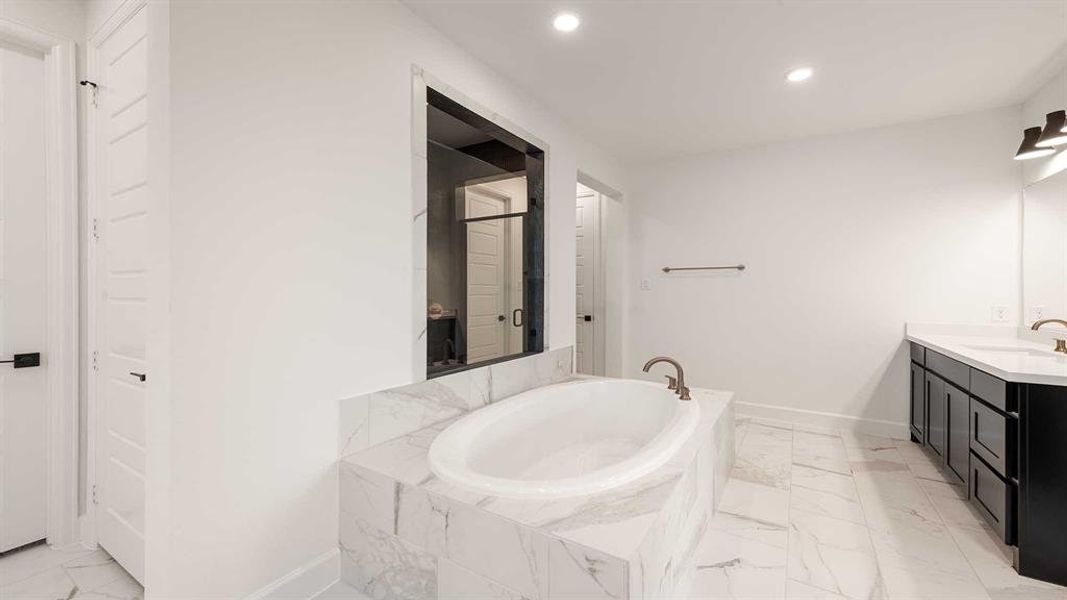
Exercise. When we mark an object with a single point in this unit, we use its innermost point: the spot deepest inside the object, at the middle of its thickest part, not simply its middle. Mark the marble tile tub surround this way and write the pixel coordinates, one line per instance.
(407, 534)
(380, 416)
(1011, 353)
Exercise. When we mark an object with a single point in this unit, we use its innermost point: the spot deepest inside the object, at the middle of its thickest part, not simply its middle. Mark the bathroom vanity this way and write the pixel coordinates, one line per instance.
(990, 403)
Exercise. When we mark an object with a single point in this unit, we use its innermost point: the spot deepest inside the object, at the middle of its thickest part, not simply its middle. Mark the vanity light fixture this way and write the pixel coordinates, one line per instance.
(800, 74)
(566, 22)
(1053, 134)
(1028, 149)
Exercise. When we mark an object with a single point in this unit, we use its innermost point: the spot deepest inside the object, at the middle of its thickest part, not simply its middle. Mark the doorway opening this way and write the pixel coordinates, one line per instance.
(589, 283)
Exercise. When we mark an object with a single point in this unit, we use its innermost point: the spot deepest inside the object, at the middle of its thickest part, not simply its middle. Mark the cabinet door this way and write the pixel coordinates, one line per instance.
(918, 402)
(935, 414)
(958, 403)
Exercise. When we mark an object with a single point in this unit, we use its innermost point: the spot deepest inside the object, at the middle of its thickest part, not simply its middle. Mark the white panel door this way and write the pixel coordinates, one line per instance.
(122, 275)
(585, 340)
(487, 280)
(23, 409)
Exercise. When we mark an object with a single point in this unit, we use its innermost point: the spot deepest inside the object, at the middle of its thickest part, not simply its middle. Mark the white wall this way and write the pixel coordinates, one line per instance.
(290, 256)
(846, 238)
(1051, 97)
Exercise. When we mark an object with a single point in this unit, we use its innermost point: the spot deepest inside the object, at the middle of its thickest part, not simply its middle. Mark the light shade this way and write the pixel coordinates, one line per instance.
(1053, 134)
(1029, 148)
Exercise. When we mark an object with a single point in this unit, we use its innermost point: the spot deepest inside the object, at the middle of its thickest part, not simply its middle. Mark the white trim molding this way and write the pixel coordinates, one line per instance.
(306, 581)
(61, 352)
(825, 420)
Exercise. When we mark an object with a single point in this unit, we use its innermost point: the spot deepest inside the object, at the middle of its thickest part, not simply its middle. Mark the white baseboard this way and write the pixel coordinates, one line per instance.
(813, 418)
(304, 582)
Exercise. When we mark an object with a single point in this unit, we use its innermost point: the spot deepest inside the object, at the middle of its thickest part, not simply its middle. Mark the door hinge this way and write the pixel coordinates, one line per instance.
(96, 366)
(96, 229)
(94, 494)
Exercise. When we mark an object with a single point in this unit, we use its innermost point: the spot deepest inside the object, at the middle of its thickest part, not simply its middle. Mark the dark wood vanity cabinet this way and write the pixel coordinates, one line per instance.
(918, 403)
(1007, 443)
(935, 414)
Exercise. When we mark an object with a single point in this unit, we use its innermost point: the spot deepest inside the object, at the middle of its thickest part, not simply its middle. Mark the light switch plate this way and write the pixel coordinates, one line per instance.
(1037, 313)
(1000, 314)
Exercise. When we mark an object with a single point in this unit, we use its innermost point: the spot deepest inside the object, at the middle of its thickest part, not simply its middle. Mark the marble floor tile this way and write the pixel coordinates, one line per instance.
(890, 455)
(796, 590)
(730, 566)
(828, 457)
(30, 561)
(825, 492)
(832, 555)
(888, 528)
(931, 471)
(991, 560)
(767, 465)
(764, 532)
(755, 502)
(74, 573)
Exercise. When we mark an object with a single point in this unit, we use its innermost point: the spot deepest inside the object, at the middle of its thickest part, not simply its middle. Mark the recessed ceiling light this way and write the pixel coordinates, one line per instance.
(566, 21)
(798, 75)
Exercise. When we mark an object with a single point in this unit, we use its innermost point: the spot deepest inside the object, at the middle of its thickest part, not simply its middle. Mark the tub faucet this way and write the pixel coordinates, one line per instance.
(1061, 345)
(678, 382)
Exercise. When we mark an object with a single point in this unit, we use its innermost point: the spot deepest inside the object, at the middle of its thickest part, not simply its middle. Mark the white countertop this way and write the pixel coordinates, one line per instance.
(1011, 353)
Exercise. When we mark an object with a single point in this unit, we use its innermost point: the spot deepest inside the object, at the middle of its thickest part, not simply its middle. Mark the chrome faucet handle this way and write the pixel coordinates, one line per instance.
(672, 382)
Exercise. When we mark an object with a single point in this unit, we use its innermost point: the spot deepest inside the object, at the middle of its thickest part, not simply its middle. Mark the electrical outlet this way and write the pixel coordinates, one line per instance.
(646, 284)
(1037, 313)
(1000, 314)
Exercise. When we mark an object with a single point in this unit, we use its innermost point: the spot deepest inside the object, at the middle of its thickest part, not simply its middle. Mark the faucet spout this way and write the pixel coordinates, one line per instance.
(682, 390)
(1061, 345)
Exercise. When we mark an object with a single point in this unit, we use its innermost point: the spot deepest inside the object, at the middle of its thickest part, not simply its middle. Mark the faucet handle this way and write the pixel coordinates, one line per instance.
(672, 382)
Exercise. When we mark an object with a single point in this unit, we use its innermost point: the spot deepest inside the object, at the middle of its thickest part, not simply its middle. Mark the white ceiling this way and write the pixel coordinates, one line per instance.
(650, 80)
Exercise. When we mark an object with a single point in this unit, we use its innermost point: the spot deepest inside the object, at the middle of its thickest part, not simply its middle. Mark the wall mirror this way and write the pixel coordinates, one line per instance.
(485, 240)
(1045, 249)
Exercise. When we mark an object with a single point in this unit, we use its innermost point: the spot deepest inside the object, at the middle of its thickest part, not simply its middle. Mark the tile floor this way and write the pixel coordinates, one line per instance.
(824, 514)
(44, 573)
(806, 514)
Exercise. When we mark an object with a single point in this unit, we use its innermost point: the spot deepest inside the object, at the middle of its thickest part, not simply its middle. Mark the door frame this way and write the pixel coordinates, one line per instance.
(61, 306)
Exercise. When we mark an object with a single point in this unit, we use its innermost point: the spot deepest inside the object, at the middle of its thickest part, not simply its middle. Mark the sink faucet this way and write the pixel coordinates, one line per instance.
(1061, 345)
(675, 383)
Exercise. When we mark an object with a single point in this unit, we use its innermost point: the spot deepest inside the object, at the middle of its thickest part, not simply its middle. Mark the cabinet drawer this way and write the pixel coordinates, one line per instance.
(918, 353)
(994, 391)
(994, 498)
(992, 436)
(949, 369)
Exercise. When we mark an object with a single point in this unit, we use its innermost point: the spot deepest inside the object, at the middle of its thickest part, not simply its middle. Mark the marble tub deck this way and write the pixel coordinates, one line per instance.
(407, 534)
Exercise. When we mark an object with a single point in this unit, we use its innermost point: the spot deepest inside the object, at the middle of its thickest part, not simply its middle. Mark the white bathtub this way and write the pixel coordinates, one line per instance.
(565, 440)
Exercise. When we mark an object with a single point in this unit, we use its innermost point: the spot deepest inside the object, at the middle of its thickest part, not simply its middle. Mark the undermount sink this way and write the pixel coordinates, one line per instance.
(1016, 350)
